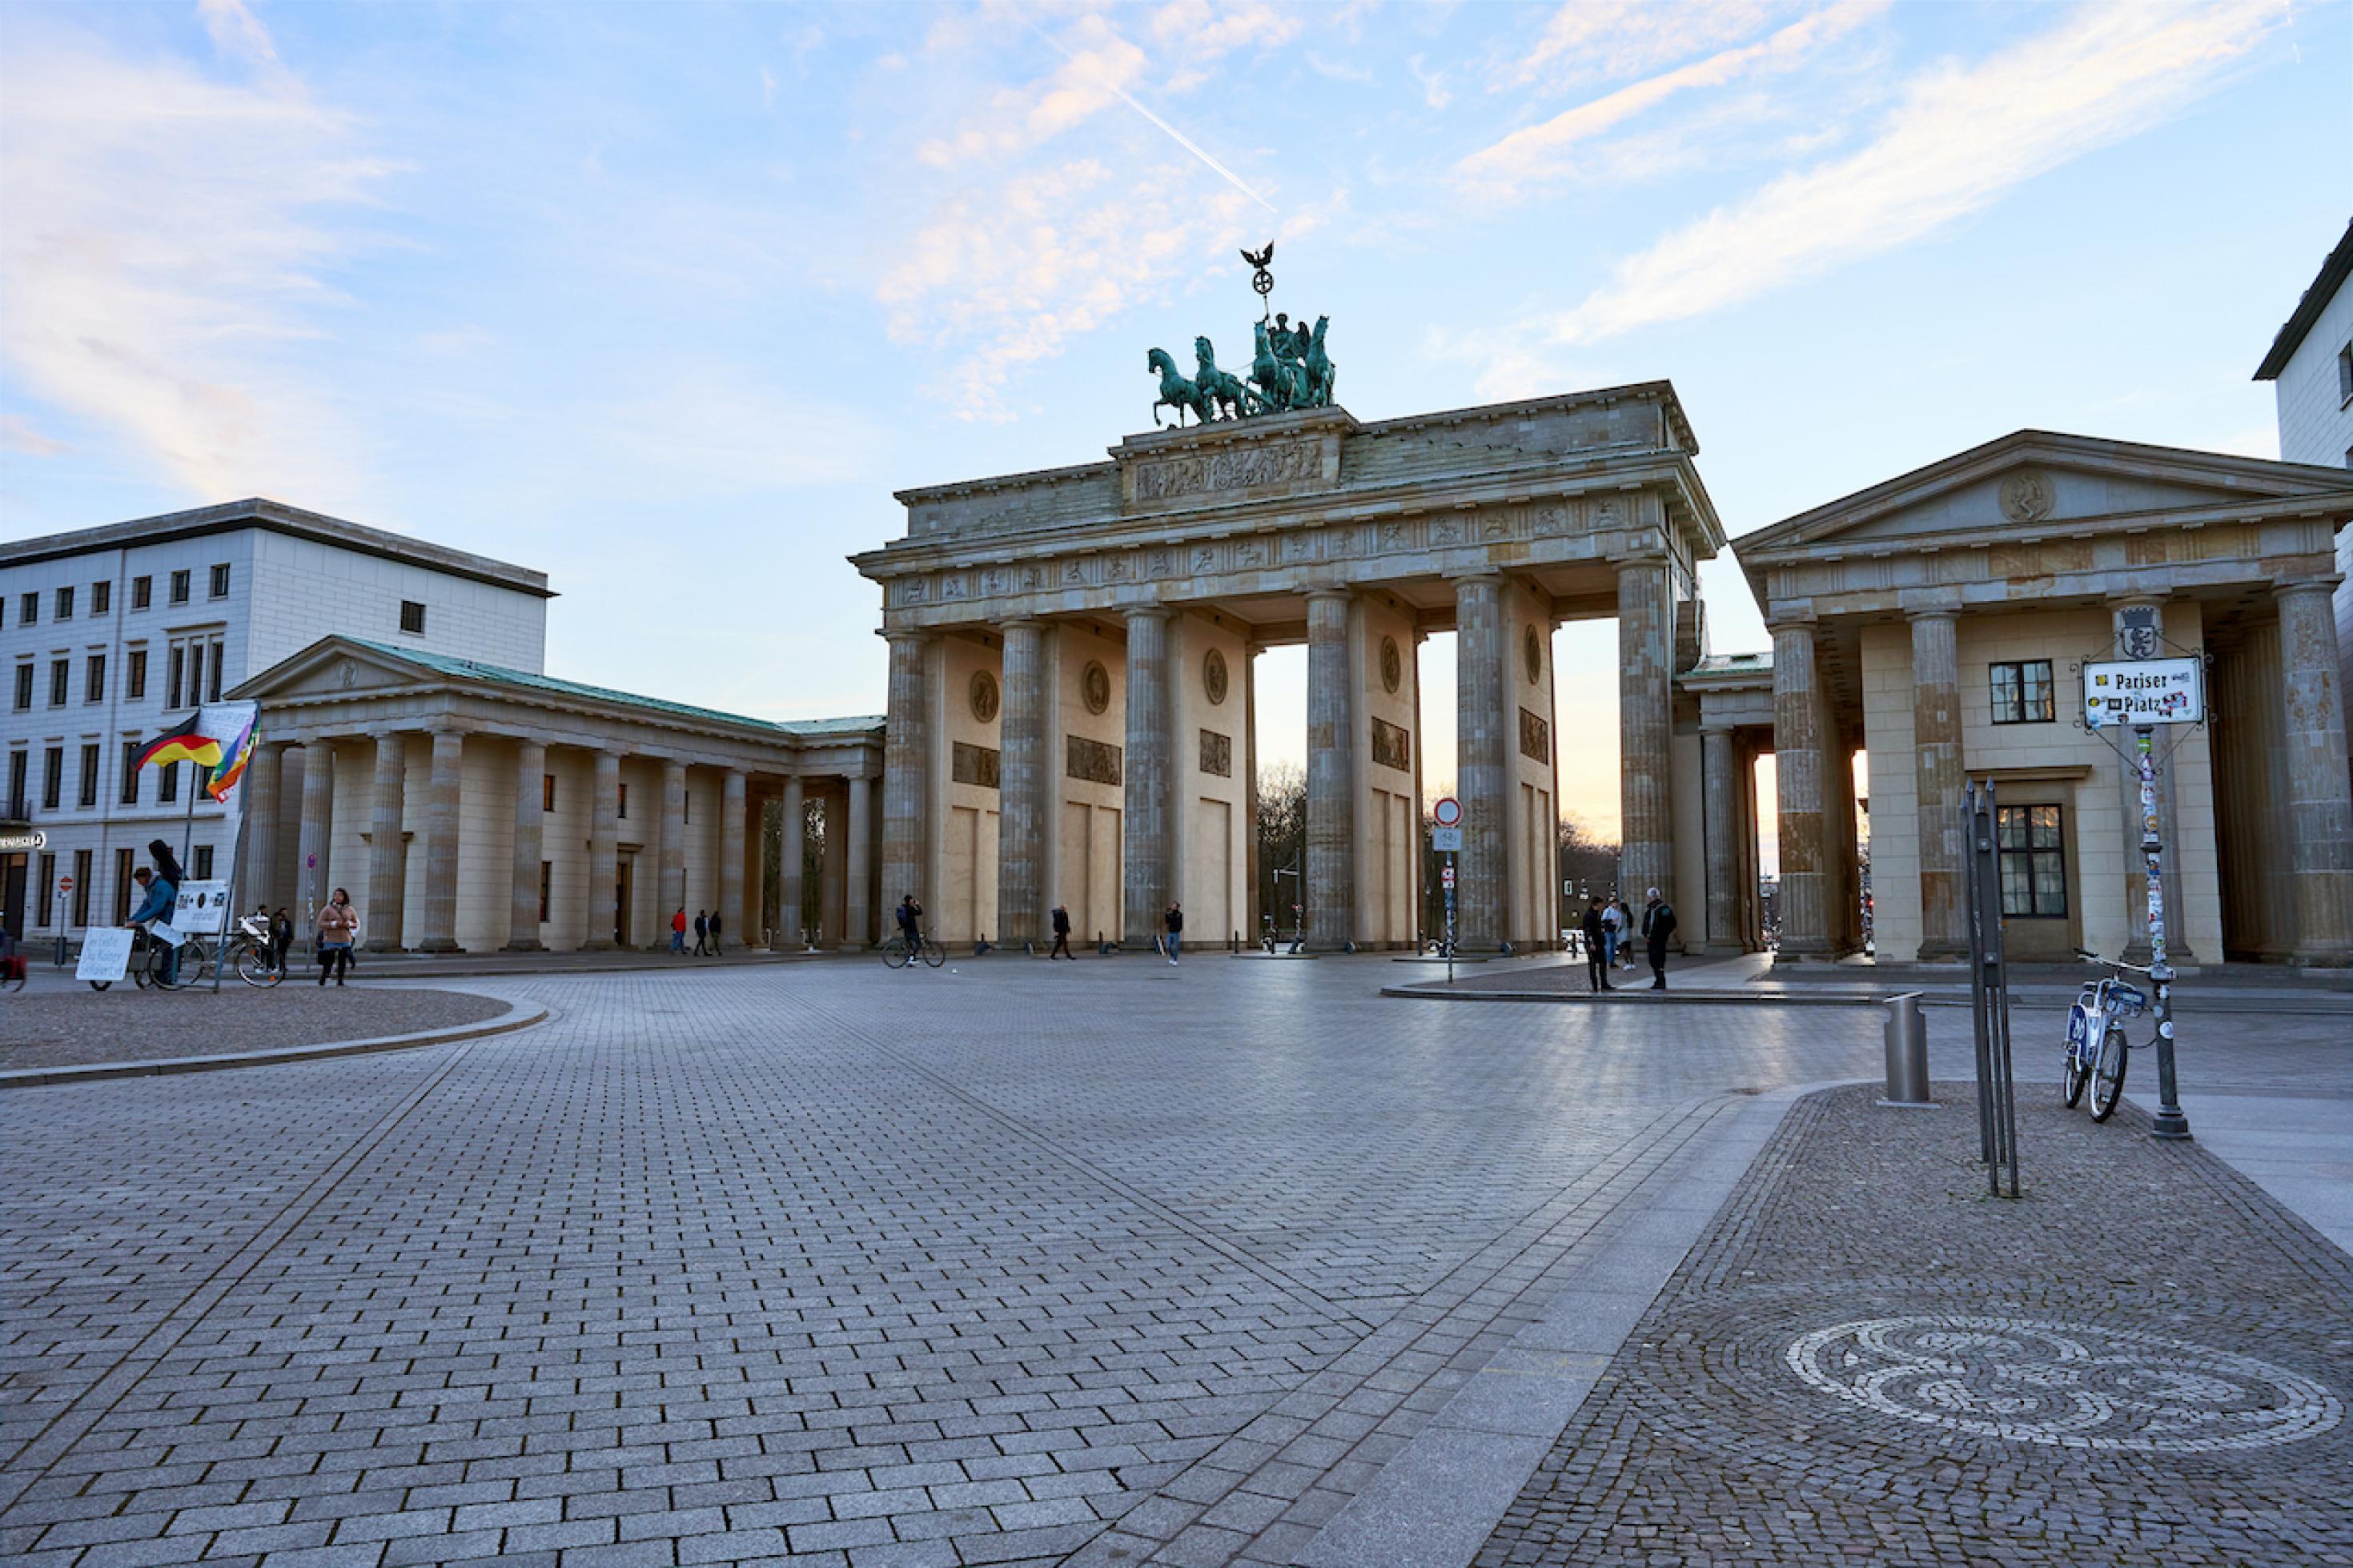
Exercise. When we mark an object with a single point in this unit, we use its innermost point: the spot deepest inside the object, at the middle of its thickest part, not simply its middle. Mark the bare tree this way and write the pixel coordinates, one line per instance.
(1281, 839)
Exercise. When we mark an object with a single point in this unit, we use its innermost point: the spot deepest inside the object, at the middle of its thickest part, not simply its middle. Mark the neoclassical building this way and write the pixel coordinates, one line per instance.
(469, 806)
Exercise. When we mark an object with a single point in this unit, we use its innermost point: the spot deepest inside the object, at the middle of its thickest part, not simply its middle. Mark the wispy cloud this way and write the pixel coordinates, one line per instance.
(1605, 40)
(17, 436)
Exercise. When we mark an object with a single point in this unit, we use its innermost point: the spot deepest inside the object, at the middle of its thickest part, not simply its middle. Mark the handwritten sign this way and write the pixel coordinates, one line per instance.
(105, 955)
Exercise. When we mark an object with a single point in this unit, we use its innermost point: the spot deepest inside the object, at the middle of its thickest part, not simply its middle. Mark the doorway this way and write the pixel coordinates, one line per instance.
(621, 901)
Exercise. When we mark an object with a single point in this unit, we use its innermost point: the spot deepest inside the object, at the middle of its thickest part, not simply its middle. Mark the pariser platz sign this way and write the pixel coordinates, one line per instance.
(2144, 692)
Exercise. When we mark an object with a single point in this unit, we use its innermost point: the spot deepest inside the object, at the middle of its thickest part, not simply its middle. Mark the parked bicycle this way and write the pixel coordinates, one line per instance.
(2097, 1050)
(253, 953)
(899, 952)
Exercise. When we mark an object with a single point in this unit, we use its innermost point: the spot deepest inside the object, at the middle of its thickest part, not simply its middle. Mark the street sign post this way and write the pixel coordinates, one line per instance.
(1446, 838)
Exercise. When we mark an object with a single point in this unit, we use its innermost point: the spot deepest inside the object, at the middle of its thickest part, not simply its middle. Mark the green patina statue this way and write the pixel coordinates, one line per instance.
(1289, 368)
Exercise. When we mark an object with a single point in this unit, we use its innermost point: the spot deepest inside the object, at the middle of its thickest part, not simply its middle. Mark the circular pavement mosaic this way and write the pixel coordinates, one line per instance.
(2073, 1387)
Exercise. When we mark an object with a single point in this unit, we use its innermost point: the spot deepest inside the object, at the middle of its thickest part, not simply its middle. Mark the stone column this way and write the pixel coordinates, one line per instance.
(310, 868)
(732, 797)
(387, 866)
(672, 859)
(2177, 947)
(442, 791)
(831, 884)
(1021, 790)
(1482, 757)
(1646, 646)
(1943, 820)
(258, 878)
(1798, 767)
(791, 922)
(1720, 788)
(1253, 903)
(1145, 869)
(2320, 797)
(905, 790)
(529, 819)
(858, 914)
(604, 850)
(1331, 773)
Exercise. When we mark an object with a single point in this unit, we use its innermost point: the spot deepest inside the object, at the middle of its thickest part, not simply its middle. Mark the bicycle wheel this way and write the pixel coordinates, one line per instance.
(254, 968)
(933, 953)
(895, 953)
(2108, 1075)
(2073, 1076)
(100, 984)
(193, 960)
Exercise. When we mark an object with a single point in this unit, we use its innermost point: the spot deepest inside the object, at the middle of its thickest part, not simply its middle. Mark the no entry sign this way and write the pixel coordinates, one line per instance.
(1447, 813)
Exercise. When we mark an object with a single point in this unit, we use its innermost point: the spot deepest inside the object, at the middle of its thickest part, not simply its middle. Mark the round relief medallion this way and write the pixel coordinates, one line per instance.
(984, 696)
(1392, 665)
(2026, 496)
(1094, 686)
(1532, 651)
(2068, 1386)
(1213, 675)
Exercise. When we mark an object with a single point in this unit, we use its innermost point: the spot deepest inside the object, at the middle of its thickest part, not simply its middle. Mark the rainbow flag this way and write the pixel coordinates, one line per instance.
(186, 747)
(232, 766)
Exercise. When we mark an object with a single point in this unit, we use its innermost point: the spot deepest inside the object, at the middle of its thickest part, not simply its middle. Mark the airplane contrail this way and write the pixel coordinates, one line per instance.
(1181, 139)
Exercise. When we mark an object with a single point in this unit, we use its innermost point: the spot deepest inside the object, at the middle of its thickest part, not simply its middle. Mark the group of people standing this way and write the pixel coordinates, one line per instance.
(1610, 927)
(706, 932)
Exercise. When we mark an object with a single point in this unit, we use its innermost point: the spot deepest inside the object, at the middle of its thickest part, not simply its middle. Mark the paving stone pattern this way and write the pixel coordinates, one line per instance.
(62, 1024)
(2144, 1361)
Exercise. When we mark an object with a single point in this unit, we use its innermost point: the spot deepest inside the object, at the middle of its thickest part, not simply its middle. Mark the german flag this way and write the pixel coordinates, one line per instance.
(186, 747)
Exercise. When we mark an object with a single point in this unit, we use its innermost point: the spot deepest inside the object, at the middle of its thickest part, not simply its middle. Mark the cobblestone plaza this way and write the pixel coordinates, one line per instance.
(1116, 1263)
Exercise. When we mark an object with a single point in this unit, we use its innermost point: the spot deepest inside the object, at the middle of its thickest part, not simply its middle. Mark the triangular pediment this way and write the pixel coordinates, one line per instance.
(332, 665)
(2035, 483)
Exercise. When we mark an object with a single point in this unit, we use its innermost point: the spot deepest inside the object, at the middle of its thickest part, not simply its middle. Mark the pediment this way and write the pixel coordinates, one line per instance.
(331, 667)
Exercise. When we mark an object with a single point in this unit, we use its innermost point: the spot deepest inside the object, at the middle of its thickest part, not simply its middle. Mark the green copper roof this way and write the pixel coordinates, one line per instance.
(497, 674)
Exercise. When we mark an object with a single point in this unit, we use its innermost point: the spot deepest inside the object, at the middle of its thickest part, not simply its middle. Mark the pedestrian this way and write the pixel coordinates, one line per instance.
(1174, 920)
(701, 933)
(678, 931)
(1062, 936)
(910, 915)
(1612, 924)
(1658, 924)
(1597, 967)
(281, 938)
(1625, 936)
(715, 934)
(337, 929)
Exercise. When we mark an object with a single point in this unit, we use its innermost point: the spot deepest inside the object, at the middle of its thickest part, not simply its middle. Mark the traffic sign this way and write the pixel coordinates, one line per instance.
(1447, 840)
(2144, 692)
(1448, 874)
(1447, 813)
(311, 862)
(65, 884)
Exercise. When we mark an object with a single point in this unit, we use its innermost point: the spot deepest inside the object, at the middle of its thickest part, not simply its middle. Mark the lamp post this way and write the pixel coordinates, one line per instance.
(2169, 1122)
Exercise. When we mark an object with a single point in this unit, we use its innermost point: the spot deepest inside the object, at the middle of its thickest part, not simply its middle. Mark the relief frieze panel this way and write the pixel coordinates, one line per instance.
(972, 765)
(1216, 754)
(1536, 736)
(1158, 480)
(1392, 746)
(1093, 761)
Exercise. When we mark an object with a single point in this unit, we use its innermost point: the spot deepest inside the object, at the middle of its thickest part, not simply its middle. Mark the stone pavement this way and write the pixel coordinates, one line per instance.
(1107, 1262)
(2144, 1361)
(59, 1023)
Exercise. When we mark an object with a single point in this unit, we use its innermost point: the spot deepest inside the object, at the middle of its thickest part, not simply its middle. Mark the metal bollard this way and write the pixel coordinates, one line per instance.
(1907, 1054)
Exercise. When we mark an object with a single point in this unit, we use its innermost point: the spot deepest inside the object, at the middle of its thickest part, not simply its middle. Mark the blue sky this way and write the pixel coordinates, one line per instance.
(666, 300)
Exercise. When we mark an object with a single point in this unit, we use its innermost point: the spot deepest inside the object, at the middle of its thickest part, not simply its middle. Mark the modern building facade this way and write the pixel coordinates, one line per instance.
(112, 636)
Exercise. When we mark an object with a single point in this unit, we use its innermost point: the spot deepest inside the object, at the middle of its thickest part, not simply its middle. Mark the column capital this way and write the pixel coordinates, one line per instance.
(1133, 613)
(1933, 610)
(1025, 622)
(2326, 586)
(1328, 591)
(1465, 579)
(1781, 626)
(451, 728)
(898, 635)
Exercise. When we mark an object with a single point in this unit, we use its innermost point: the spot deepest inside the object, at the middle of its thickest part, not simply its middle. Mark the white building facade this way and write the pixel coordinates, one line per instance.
(112, 636)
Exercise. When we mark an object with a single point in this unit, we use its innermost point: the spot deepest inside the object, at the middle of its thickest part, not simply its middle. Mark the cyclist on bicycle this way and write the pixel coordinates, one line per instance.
(911, 923)
(162, 890)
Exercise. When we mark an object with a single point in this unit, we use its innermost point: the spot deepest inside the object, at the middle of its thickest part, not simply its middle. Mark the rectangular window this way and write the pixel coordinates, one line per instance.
(2344, 374)
(625, 802)
(18, 763)
(219, 585)
(47, 890)
(65, 603)
(2033, 854)
(29, 610)
(167, 784)
(204, 865)
(412, 617)
(547, 791)
(143, 592)
(212, 679)
(82, 888)
(2022, 693)
(130, 795)
(546, 887)
(60, 672)
(93, 684)
(179, 587)
(136, 675)
(24, 686)
(102, 598)
(179, 664)
(87, 793)
(53, 777)
(123, 862)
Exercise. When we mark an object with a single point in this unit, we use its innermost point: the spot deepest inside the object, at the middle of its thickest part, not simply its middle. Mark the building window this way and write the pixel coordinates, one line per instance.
(212, 679)
(123, 885)
(93, 684)
(2021, 693)
(130, 795)
(178, 666)
(204, 866)
(102, 598)
(29, 610)
(624, 812)
(179, 587)
(143, 592)
(82, 888)
(547, 791)
(2344, 374)
(60, 671)
(24, 686)
(18, 762)
(48, 889)
(412, 617)
(53, 777)
(136, 675)
(65, 603)
(546, 887)
(219, 585)
(167, 784)
(2033, 854)
(87, 793)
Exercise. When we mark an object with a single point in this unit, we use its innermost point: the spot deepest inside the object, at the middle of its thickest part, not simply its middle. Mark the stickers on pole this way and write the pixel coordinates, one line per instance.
(2144, 692)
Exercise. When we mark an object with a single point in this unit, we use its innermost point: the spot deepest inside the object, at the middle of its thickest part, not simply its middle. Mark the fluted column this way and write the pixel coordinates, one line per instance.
(1720, 790)
(387, 866)
(529, 819)
(1481, 757)
(1146, 872)
(318, 829)
(1021, 790)
(732, 797)
(905, 789)
(2135, 858)
(1937, 809)
(793, 849)
(603, 851)
(857, 898)
(258, 877)
(1646, 646)
(442, 789)
(1331, 773)
(2320, 799)
(672, 861)
(1798, 765)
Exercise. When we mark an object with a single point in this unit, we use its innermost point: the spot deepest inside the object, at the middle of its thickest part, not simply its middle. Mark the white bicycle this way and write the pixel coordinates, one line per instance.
(2097, 1051)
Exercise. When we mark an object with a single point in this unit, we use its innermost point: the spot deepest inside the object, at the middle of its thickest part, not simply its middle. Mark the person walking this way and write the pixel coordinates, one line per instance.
(1061, 948)
(1174, 920)
(338, 929)
(1658, 925)
(1596, 964)
(281, 938)
(715, 934)
(678, 931)
(1613, 924)
(701, 933)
